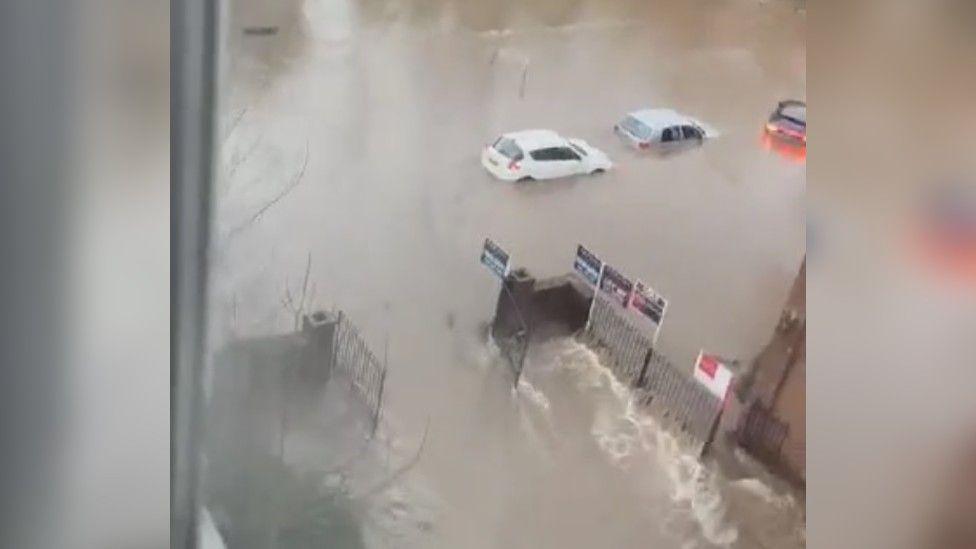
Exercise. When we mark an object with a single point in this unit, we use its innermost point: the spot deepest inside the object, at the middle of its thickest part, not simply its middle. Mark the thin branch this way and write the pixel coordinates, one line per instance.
(525, 73)
(401, 471)
(301, 304)
(290, 187)
(288, 299)
(233, 124)
(346, 464)
(236, 163)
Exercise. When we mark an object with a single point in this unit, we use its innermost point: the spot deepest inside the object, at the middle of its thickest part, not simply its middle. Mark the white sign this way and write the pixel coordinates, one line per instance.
(715, 376)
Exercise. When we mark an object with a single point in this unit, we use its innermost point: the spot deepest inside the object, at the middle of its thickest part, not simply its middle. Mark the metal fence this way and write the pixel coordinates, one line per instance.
(366, 373)
(510, 330)
(627, 345)
(684, 406)
(762, 433)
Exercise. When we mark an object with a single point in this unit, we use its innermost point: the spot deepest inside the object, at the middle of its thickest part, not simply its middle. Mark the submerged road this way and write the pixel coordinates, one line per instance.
(351, 135)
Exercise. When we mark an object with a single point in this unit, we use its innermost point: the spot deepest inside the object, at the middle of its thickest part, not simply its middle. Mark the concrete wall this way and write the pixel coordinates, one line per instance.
(778, 382)
(534, 310)
(790, 406)
(771, 366)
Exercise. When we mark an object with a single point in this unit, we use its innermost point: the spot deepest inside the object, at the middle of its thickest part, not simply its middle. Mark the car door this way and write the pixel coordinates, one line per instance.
(544, 163)
(555, 162)
(671, 138)
(568, 161)
(692, 135)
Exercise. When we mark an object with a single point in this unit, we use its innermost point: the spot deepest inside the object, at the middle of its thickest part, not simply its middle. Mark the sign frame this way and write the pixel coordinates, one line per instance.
(716, 376)
(588, 266)
(621, 287)
(646, 301)
(496, 259)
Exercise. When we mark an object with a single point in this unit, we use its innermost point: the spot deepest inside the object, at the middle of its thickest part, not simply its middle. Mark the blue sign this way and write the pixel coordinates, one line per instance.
(495, 258)
(587, 265)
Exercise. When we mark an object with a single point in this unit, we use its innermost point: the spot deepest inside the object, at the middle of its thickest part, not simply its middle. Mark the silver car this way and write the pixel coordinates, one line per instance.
(662, 129)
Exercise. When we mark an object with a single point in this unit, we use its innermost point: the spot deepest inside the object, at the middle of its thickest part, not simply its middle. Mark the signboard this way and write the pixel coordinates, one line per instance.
(648, 302)
(713, 374)
(587, 265)
(616, 284)
(495, 258)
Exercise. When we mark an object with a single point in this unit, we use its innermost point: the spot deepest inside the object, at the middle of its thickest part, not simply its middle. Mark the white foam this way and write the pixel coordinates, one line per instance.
(626, 428)
(766, 493)
(695, 484)
(533, 395)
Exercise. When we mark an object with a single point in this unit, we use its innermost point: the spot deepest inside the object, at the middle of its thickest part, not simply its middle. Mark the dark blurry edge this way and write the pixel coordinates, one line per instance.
(193, 64)
(34, 141)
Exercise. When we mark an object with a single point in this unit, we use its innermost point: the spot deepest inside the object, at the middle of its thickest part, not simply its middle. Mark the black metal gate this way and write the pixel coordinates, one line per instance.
(762, 433)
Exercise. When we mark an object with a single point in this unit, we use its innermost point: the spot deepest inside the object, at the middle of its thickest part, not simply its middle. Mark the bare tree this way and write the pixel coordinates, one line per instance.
(410, 464)
(298, 307)
(284, 192)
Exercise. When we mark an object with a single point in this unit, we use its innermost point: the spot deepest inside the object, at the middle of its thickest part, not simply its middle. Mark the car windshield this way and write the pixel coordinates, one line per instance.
(795, 113)
(508, 148)
(636, 127)
(578, 149)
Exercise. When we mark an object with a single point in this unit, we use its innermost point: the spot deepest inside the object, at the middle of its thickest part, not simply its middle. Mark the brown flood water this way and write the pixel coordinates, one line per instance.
(363, 122)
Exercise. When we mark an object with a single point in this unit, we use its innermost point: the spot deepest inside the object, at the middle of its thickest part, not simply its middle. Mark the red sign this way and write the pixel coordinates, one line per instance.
(708, 365)
(711, 372)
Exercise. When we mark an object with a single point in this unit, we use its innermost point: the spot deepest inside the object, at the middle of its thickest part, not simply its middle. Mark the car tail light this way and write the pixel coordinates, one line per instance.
(644, 144)
(514, 165)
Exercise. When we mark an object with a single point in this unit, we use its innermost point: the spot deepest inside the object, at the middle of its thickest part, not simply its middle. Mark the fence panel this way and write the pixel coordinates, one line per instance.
(627, 345)
(762, 432)
(354, 359)
(683, 405)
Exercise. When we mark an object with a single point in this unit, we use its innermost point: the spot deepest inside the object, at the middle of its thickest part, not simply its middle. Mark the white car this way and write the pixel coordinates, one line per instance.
(662, 129)
(541, 154)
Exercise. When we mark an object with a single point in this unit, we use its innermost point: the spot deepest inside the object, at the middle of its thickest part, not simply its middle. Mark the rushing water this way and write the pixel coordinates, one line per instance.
(351, 136)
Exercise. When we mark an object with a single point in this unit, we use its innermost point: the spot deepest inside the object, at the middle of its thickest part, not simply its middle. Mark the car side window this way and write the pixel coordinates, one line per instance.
(565, 153)
(670, 134)
(543, 154)
(691, 132)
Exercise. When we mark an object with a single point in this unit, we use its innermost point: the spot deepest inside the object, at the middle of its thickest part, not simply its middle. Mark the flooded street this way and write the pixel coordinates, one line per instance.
(351, 135)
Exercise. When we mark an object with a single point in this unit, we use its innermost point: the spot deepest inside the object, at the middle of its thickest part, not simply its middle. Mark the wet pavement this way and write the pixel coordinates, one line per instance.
(353, 133)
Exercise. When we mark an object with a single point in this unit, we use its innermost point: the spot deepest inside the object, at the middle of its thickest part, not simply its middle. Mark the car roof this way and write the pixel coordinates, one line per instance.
(793, 109)
(793, 103)
(656, 118)
(536, 139)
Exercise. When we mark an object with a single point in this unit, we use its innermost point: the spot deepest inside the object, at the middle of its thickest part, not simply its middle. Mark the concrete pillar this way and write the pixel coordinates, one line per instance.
(320, 330)
(513, 307)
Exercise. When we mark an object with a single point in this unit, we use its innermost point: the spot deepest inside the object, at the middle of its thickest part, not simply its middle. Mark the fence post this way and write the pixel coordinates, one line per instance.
(379, 402)
(335, 344)
(643, 373)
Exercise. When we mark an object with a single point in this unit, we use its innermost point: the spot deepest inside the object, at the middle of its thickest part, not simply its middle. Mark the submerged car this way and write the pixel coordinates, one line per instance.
(946, 228)
(541, 154)
(662, 129)
(789, 121)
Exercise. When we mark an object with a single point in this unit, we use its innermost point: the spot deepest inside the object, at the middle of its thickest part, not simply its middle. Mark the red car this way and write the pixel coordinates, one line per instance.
(789, 121)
